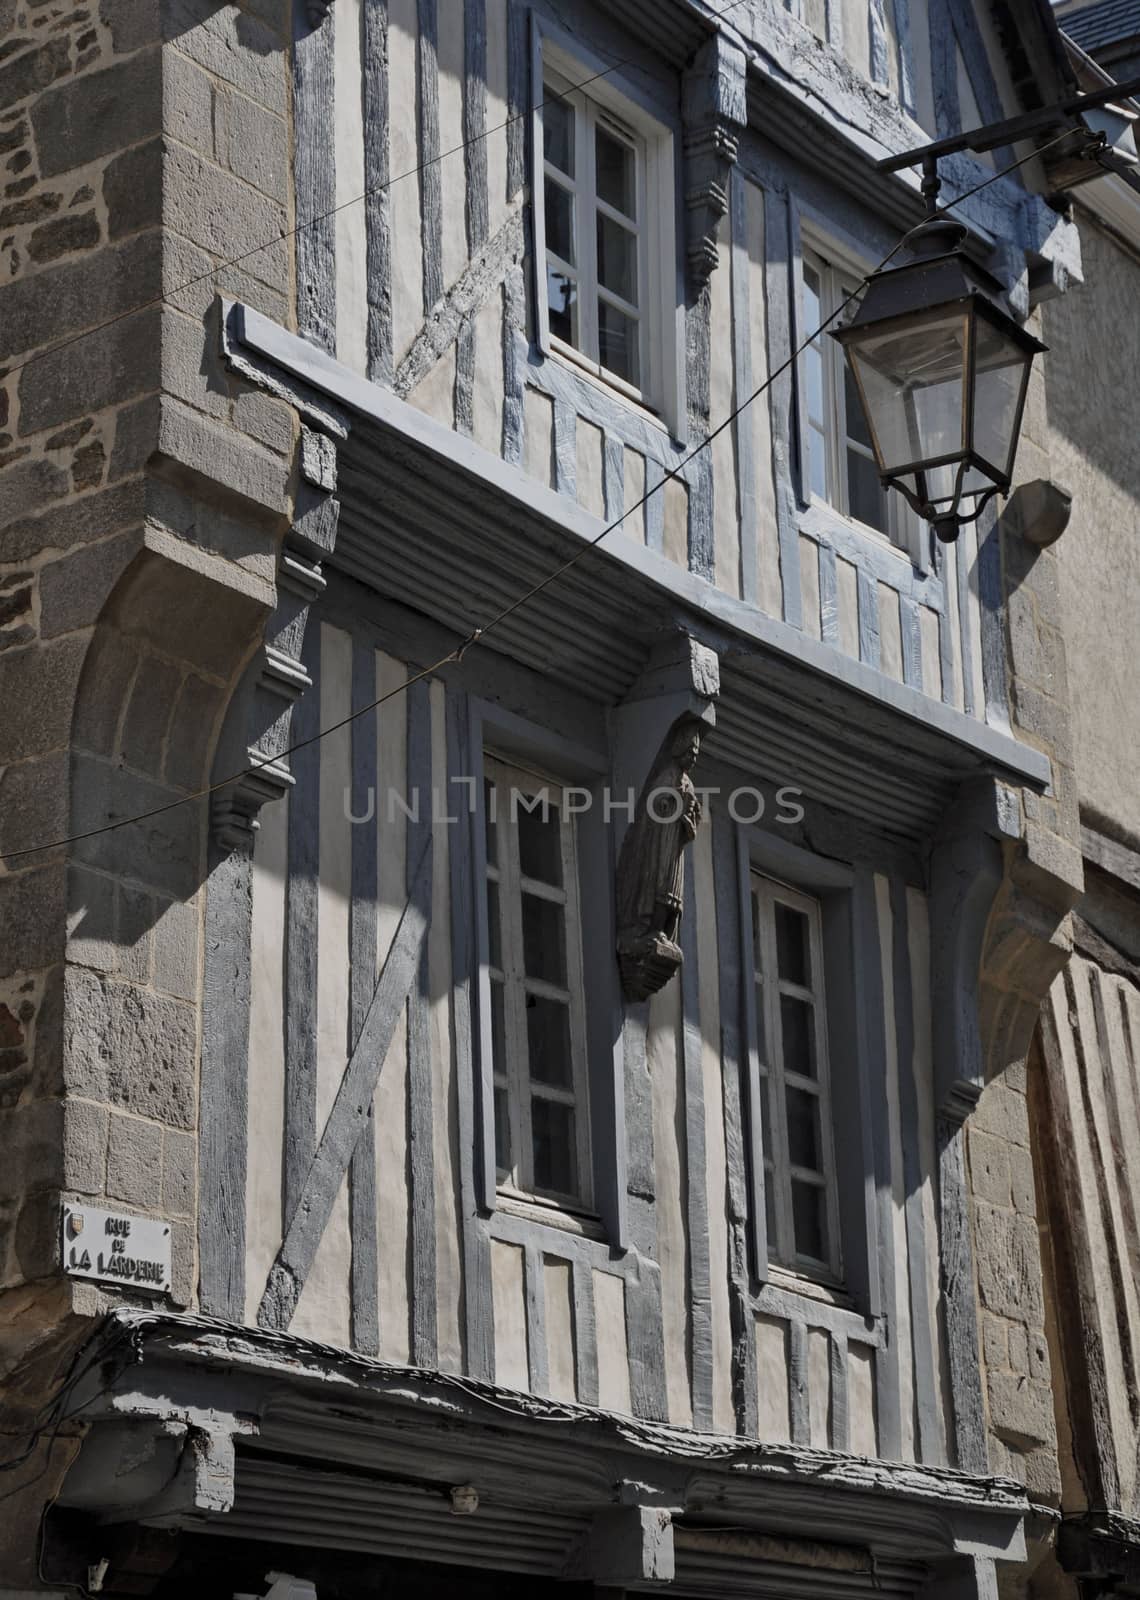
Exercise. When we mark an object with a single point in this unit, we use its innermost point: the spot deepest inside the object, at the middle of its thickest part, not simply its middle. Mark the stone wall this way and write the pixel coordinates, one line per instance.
(143, 496)
(1027, 943)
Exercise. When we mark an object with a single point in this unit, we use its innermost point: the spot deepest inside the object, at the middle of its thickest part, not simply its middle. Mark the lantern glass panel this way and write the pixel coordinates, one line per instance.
(1001, 372)
(912, 378)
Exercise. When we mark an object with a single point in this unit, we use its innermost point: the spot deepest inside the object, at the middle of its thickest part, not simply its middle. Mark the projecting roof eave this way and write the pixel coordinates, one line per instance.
(402, 477)
(294, 1442)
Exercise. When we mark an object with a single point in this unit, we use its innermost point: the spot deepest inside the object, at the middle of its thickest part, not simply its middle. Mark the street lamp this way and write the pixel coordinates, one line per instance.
(942, 372)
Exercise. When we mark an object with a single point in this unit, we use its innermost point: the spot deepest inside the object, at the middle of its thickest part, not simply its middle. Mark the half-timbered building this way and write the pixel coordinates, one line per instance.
(556, 1194)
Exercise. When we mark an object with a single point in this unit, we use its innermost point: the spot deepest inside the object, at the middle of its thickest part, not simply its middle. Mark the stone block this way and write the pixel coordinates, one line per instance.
(1023, 1187)
(191, 364)
(188, 102)
(995, 1349)
(179, 1174)
(1039, 1363)
(1008, 1263)
(176, 934)
(148, 717)
(31, 1137)
(91, 919)
(225, 216)
(25, 487)
(223, 457)
(232, 46)
(37, 693)
(132, 190)
(32, 72)
(98, 113)
(74, 589)
(33, 801)
(130, 1048)
(134, 920)
(192, 732)
(183, 1263)
(1052, 858)
(266, 419)
(76, 522)
(104, 368)
(253, 143)
(79, 293)
(1018, 1349)
(989, 1167)
(64, 236)
(161, 851)
(1041, 1475)
(85, 1127)
(1002, 1112)
(131, 26)
(134, 1162)
(1021, 1409)
(112, 662)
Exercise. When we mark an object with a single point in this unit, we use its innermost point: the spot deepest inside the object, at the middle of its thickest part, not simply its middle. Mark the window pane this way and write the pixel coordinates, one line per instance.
(503, 1159)
(562, 305)
(558, 132)
(803, 1129)
(813, 377)
(766, 1114)
(770, 1210)
(617, 259)
(618, 343)
(797, 1029)
(493, 935)
(559, 212)
(540, 838)
(544, 939)
(552, 1132)
(817, 463)
(866, 497)
(548, 1041)
(792, 945)
(857, 428)
(756, 954)
(813, 315)
(617, 174)
(498, 1028)
(809, 1220)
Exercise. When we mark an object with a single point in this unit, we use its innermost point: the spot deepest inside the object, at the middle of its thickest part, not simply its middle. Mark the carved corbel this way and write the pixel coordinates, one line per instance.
(625, 1546)
(258, 734)
(657, 739)
(160, 1470)
(714, 109)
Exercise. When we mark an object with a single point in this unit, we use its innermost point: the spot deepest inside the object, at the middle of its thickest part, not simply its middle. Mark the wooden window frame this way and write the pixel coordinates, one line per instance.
(765, 892)
(488, 725)
(562, 61)
(838, 273)
(513, 1074)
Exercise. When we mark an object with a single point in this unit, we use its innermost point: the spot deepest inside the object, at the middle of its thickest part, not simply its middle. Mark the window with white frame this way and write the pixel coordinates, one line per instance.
(534, 948)
(799, 1154)
(839, 464)
(604, 225)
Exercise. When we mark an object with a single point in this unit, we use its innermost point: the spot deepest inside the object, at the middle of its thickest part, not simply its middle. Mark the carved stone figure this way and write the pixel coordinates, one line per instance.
(651, 867)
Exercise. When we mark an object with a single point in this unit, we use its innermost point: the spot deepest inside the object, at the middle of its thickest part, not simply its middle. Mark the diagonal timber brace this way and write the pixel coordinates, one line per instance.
(352, 1107)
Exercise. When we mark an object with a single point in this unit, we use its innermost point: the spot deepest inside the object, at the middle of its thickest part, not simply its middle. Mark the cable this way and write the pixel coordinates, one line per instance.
(477, 634)
(323, 216)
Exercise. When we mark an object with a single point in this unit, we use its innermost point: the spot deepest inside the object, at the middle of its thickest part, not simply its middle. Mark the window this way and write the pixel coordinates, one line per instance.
(593, 206)
(605, 195)
(534, 947)
(839, 464)
(798, 1143)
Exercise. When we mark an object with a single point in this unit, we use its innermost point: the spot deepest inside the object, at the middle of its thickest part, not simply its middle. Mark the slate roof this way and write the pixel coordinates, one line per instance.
(1097, 26)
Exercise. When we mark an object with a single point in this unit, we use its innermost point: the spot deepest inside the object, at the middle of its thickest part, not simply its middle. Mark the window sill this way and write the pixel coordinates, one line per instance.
(551, 1214)
(568, 359)
(820, 520)
(811, 1288)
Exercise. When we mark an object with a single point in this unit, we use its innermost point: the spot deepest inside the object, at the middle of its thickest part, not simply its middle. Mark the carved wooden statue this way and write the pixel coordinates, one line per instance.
(651, 867)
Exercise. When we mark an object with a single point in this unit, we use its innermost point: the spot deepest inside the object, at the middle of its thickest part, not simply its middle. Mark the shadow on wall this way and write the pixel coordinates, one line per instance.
(1093, 336)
